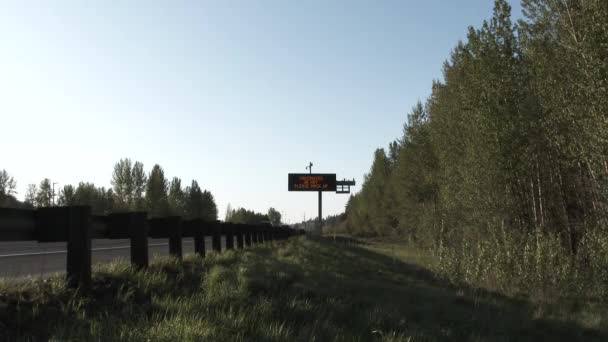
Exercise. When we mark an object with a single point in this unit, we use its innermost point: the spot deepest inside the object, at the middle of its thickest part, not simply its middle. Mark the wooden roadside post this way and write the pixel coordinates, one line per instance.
(274, 233)
(216, 237)
(229, 235)
(134, 226)
(174, 225)
(253, 230)
(247, 232)
(199, 237)
(138, 232)
(238, 231)
(79, 247)
(266, 234)
(261, 236)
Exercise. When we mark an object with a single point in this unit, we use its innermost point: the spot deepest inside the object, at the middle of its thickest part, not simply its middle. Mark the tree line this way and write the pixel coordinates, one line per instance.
(242, 215)
(512, 142)
(329, 223)
(132, 189)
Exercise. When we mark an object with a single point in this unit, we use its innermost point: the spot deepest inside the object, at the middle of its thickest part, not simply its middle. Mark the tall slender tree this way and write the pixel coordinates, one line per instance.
(177, 197)
(274, 216)
(67, 196)
(194, 201)
(129, 184)
(157, 202)
(209, 208)
(8, 185)
(123, 184)
(44, 194)
(138, 175)
(30, 194)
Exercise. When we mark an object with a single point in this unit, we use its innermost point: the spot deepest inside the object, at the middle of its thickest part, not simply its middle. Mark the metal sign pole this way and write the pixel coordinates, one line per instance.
(318, 182)
(320, 212)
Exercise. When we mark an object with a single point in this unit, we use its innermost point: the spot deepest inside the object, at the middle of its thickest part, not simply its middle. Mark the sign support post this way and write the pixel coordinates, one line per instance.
(319, 182)
(320, 212)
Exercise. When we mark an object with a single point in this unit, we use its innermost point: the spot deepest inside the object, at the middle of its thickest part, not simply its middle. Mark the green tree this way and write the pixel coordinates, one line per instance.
(87, 194)
(105, 200)
(177, 197)
(8, 189)
(30, 194)
(274, 216)
(8, 185)
(514, 136)
(415, 178)
(44, 195)
(194, 201)
(67, 196)
(139, 186)
(199, 204)
(157, 201)
(228, 215)
(209, 211)
(242, 215)
(123, 184)
(129, 183)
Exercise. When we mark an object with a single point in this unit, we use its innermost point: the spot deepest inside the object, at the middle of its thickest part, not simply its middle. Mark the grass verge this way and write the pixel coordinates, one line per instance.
(303, 289)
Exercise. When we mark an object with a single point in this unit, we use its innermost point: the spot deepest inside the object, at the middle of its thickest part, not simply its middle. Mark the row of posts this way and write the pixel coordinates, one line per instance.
(80, 228)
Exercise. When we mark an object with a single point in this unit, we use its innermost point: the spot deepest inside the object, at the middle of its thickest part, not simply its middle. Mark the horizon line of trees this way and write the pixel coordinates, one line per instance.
(132, 189)
(242, 215)
(329, 223)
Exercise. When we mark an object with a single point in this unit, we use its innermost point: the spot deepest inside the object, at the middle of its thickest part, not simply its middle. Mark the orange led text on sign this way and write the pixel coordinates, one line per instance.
(311, 182)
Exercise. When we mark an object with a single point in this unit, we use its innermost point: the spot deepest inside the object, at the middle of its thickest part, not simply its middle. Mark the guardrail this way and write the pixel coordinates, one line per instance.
(77, 226)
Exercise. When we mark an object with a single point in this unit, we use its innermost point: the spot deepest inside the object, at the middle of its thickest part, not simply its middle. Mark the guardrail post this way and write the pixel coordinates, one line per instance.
(266, 234)
(274, 234)
(239, 235)
(138, 232)
(229, 235)
(52, 224)
(174, 225)
(247, 232)
(216, 237)
(254, 234)
(199, 237)
(79, 247)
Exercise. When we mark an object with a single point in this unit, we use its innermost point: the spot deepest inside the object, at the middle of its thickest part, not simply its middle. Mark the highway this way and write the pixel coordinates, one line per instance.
(33, 259)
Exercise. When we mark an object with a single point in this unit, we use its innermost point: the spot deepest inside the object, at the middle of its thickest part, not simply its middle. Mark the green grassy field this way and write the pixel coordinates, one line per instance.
(307, 290)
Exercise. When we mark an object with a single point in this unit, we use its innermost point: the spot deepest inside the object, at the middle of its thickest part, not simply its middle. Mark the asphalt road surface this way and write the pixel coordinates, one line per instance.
(33, 259)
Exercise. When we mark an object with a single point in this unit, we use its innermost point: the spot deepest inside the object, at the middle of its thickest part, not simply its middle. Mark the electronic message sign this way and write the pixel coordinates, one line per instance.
(312, 182)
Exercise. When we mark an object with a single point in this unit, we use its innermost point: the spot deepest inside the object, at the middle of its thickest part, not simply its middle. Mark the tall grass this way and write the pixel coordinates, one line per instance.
(299, 290)
(538, 266)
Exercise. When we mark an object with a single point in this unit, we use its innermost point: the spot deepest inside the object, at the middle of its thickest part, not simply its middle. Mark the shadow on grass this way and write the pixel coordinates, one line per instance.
(377, 294)
(43, 308)
(302, 289)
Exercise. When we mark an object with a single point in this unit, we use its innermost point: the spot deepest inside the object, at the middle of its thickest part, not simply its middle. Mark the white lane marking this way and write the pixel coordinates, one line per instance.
(92, 250)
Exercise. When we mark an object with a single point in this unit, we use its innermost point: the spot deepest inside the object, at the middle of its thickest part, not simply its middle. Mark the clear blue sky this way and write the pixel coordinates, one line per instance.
(234, 94)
